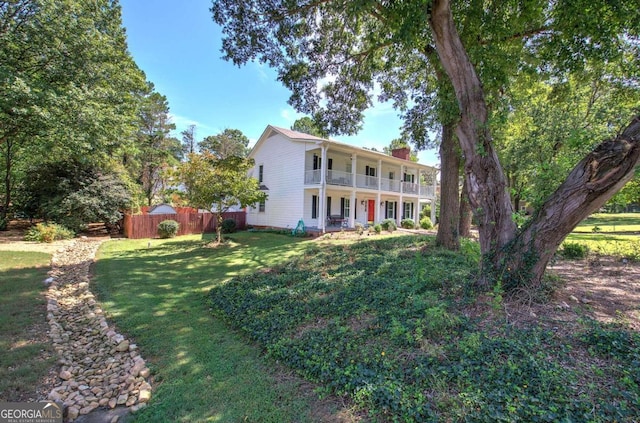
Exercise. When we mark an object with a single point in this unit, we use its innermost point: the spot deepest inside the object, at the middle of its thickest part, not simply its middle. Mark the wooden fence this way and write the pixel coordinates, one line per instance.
(138, 226)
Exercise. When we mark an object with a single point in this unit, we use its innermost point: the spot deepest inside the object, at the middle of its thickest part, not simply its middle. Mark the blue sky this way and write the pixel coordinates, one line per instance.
(177, 44)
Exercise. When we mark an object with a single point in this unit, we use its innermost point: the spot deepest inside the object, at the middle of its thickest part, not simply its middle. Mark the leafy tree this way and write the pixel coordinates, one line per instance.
(538, 111)
(230, 142)
(219, 182)
(74, 194)
(307, 125)
(630, 194)
(472, 51)
(189, 140)
(156, 150)
(68, 85)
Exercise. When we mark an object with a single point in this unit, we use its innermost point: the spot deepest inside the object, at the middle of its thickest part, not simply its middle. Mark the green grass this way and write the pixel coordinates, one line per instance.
(202, 369)
(610, 222)
(394, 325)
(24, 348)
(617, 235)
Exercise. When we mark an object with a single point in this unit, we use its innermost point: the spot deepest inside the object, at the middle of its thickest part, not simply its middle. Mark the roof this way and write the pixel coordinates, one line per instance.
(301, 136)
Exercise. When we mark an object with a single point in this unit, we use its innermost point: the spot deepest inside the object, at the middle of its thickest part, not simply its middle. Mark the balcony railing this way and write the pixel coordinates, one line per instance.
(366, 181)
(409, 188)
(337, 177)
(427, 191)
(312, 176)
(389, 185)
(340, 178)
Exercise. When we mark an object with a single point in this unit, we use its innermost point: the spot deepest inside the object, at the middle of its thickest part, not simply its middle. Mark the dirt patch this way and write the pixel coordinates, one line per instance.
(602, 288)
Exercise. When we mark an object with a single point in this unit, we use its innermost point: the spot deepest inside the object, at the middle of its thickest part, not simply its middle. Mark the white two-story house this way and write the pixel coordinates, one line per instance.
(328, 184)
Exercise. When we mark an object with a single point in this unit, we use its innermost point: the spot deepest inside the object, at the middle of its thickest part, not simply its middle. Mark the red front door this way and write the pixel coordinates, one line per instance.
(371, 213)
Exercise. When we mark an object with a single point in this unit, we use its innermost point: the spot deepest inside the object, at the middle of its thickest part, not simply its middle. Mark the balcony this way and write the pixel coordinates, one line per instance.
(336, 177)
(345, 179)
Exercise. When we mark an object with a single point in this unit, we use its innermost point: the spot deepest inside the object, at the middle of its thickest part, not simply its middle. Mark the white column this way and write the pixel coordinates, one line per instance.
(354, 166)
(322, 215)
(376, 217)
(416, 212)
(379, 175)
(352, 208)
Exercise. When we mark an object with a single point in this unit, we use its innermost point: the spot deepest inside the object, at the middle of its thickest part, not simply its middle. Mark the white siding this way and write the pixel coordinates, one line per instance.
(283, 173)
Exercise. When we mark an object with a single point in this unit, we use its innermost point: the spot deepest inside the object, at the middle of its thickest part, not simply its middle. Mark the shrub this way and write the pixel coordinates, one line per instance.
(228, 226)
(574, 250)
(407, 223)
(389, 225)
(4, 223)
(377, 228)
(359, 228)
(168, 228)
(48, 232)
(425, 223)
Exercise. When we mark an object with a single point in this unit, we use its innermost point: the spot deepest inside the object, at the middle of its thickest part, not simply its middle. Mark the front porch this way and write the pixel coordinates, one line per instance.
(335, 209)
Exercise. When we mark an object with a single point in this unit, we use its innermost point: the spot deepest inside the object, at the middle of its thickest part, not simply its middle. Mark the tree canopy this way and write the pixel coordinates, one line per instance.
(230, 142)
(69, 86)
(307, 125)
(219, 183)
(454, 65)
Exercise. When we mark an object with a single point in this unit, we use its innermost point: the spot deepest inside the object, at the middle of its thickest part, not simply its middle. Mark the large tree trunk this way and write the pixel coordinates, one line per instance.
(4, 211)
(465, 212)
(488, 195)
(591, 183)
(521, 260)
(449, 206)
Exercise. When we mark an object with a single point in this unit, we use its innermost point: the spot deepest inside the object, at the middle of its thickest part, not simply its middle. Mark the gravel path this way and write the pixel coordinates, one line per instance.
(100, 369)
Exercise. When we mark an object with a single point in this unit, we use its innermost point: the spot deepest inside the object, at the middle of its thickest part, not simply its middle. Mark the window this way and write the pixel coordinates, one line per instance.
(260, 175)
(261, 206)
(391, 175)
(314, 206)
(328, 206)
(317, 162)
(408, 177)
(345, 207)
(407, 211)
(391, 207)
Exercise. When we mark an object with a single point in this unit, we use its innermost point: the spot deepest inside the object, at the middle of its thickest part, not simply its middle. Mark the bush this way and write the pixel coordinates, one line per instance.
(377, 228)
(168, 228)
(407, 223)
(389, 225)
(228, 226)
(574, 251)
(425, 223)
(359, 228)
(48, 232)
(4, 223)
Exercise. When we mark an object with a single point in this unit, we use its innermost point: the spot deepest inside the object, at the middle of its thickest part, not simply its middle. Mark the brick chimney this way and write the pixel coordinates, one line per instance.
(403, 153)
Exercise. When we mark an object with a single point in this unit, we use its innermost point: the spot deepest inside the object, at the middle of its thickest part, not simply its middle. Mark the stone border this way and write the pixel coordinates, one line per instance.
(99, 367)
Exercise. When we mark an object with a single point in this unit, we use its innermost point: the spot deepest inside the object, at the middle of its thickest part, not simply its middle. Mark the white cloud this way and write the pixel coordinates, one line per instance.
(290, 115)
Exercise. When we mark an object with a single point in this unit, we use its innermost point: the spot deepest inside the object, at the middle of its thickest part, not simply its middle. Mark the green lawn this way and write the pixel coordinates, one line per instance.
(616, 235)
(391, 323)
(395, 325)
(610, 222)
(203, 370)
(25, 353)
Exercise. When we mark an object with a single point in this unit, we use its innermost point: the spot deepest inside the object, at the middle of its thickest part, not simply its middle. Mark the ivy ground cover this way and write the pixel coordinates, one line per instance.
(394, 325)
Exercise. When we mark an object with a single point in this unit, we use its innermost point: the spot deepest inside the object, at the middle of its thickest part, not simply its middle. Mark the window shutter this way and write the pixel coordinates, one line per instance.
(314, 206)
